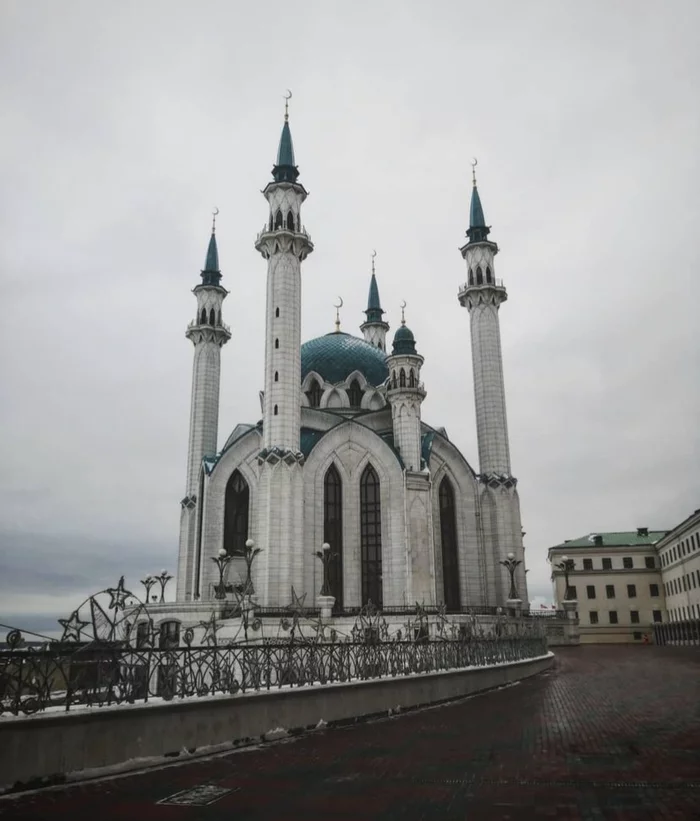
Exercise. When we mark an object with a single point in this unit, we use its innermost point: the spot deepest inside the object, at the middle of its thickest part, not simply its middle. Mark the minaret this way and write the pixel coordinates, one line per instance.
(499, 506)
(482, 295)
(207, 333)
(284, 243)
(374, 328)
(405, 394)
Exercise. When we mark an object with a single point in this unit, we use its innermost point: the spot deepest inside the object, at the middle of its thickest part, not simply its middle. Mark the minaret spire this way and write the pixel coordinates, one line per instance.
(285, 169)
(374, 328)
(208, 334)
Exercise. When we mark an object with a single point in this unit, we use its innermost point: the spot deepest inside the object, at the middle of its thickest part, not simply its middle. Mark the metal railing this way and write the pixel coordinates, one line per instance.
(678, 633)
(62, 677)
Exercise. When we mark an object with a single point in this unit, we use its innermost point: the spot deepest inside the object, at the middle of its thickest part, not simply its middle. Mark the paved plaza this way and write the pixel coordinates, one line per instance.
(610, 733)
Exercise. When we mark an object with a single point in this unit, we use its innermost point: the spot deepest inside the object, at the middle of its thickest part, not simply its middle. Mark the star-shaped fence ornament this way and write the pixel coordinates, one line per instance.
(118, 595)
(72, 627)
(210, 628)
(319, 629)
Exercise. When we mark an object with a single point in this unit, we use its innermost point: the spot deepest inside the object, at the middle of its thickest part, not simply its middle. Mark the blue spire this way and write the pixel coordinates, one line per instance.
(374, 309)
(478, 230)
(285, 169)
(211, 275)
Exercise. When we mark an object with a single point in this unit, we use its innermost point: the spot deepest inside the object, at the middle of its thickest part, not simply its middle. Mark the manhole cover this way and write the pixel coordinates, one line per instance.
(199, 796)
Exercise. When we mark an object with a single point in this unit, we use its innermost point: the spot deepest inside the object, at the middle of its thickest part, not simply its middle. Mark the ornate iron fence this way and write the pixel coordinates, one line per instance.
(63, 676)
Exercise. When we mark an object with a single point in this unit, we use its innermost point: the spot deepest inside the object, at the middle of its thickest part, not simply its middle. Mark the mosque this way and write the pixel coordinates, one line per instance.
(342, 455)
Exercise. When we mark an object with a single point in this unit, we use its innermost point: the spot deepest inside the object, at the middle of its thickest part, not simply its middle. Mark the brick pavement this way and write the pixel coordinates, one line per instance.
(610, 733)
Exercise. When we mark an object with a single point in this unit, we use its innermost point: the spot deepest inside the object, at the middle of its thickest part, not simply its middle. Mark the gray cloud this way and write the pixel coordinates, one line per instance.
(124, 124)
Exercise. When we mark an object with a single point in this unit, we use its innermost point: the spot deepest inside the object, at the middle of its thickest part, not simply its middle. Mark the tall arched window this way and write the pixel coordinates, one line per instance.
(290, 221)
(471, 277)
(236, 515)
(411, 379)
(277, 312)
(212, 317)
(355, 394)
(488, 273)
(278, 219)
(371, 537)
(402, 378)
(333, 531)
(203, 317)
(314, 394)
(479, 276)
(448, 533)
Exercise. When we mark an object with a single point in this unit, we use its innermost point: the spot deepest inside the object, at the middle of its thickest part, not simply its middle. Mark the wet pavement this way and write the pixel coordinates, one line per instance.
(609, 733)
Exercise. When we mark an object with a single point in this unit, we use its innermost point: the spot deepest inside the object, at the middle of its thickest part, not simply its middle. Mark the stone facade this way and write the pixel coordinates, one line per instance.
(679, 557)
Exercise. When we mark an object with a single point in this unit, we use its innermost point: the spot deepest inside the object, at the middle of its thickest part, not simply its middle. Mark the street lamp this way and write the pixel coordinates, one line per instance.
(566, 565)
(221, 561)
(249, 555)
(148, 583)
(326, 558)
(511, 564)
(163, 579)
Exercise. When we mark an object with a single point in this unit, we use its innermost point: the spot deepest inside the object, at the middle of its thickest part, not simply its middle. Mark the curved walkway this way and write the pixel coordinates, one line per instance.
(610, 733)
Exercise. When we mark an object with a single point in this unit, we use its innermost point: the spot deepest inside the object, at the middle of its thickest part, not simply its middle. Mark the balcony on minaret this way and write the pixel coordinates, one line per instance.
(475, 287)
(283, 229)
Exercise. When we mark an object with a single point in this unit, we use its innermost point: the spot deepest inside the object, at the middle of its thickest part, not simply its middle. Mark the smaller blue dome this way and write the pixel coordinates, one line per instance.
(404, 341)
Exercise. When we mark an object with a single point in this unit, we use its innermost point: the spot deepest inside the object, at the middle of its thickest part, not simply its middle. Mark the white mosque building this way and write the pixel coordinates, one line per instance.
(342, 455)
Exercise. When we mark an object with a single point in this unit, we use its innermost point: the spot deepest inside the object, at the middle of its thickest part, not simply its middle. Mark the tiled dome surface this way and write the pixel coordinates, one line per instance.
(336, 355)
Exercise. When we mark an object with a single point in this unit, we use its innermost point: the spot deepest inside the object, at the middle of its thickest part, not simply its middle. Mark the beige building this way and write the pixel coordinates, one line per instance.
(679, 557)
(617, 582)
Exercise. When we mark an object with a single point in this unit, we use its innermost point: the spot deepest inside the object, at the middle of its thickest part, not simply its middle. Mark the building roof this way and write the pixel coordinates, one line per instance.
(404, 341)
(678, 529)
(336, 355)
(374, 308)
(629, 538)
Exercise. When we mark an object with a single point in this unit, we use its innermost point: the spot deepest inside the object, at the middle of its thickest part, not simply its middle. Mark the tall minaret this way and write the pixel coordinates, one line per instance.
(207, 333)
(374, 328)
(500, 521)
(482, 296)
(284, 243)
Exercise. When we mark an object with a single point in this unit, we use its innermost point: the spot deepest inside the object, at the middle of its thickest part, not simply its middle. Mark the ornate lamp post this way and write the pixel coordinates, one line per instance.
(221, 561)
(163, 579)
(511, 565)
(249, 557)
(326, 597)
(566, 565)
(148, 583)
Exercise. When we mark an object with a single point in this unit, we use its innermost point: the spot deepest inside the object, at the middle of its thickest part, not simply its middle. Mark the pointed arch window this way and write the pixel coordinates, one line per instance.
(277, 376)
(488, 274)
(277, 313)
(333, 531)
(355, 394)
(212, 317)
(412, 379)
(219, 318)
(471, 276)
(371, 537)
(314, 394)
(479, 276)
(448, 534)
(278, 219)
(203, 317)
(236, 507)
(277, 343)
(290, 221)
(402, 378)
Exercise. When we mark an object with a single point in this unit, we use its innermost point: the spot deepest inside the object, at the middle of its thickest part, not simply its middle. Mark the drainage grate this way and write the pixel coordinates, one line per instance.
(200, 796)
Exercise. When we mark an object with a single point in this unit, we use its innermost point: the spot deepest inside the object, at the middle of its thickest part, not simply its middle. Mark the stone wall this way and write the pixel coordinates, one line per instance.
(47, 747)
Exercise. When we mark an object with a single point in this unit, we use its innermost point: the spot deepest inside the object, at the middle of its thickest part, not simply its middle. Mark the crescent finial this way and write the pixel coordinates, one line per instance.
(287, 98)
(337, 313)
(474, 164)
(213, 221)
(374, 254)
(403, 308)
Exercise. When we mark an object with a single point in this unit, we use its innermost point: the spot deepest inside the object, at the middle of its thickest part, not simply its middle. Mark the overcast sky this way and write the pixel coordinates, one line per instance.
(125, 123)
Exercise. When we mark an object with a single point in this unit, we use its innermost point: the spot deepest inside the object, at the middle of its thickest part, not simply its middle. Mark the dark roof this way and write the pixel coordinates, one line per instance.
(285, 169)
(404, 341)
(211, 275)
(374, 308)
(630, 538)
(336, 355)
(478, 230)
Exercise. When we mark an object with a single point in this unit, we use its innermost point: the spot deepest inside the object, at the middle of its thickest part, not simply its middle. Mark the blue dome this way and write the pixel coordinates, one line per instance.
(336, 355)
